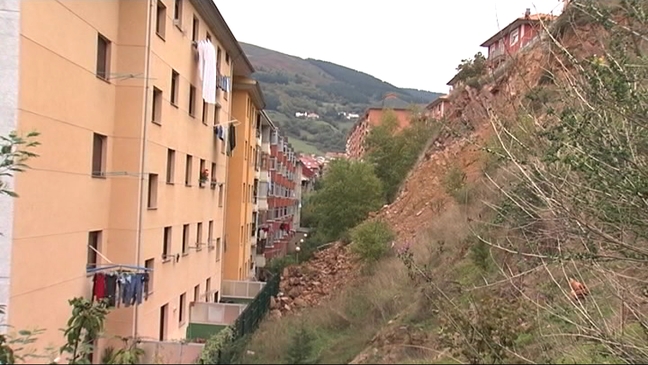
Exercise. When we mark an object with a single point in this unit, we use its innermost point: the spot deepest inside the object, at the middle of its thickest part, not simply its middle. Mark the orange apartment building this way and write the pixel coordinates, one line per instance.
(113, 88)
(240, 235)
(373, 116)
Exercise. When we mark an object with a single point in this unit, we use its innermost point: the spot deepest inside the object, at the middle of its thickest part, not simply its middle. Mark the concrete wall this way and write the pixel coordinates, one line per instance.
(9, 71)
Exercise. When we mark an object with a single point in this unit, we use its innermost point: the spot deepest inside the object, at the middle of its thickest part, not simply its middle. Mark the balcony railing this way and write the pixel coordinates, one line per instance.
(241, 289)
(496, 52)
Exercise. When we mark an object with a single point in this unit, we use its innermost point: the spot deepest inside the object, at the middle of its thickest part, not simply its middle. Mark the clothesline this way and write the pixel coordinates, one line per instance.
(100, 268)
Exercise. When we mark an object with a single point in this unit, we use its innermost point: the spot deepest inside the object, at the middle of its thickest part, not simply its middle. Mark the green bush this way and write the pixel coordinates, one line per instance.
(371, 240)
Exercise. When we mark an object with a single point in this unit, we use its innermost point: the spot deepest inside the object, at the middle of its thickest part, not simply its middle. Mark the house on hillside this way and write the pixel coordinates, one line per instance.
(436, 109)
(514, 37)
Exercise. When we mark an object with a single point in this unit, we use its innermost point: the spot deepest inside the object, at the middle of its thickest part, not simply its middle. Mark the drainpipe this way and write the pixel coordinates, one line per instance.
(142, 164)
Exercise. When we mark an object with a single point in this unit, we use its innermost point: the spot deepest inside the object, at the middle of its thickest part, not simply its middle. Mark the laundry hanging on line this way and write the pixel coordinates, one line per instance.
(207, 70)
(120, 288)
(225, 83)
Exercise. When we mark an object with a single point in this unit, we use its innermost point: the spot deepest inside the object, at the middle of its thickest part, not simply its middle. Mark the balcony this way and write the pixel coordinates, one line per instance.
(496, 54)
(207, 319)
(240, 291)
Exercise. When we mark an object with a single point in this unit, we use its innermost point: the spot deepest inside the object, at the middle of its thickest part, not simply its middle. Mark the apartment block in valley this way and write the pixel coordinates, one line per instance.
(282, 200)
(131, 179)
(263, 237)
(355, 148)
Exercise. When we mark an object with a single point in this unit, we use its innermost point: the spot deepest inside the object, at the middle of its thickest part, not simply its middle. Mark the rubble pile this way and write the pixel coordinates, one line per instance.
(309, 283)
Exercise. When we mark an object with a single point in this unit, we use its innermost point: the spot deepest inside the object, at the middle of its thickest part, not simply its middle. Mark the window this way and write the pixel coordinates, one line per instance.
(98, 155)
(160, 19)
(185, 239)
(103, 57)
(218, 248)
(152, 191)
(197, 293)
(188, 169)
(199, 235)
(227, 58)
(149, 264)
(217, 110)
(94, 247)
(205, 111)
(515, 36)
(210, 234)
(194, 30)
(192, 100)
(170, 170)
(175, 83)
(164, 313)
(218, 60)
(213, 175)
(220, 195)
(156, 113)
(166, 242)
(181, 310)
(207, 289)
(202, 168)
(177, 12)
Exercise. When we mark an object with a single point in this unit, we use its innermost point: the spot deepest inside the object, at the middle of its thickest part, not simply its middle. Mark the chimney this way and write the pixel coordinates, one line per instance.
(527, 14)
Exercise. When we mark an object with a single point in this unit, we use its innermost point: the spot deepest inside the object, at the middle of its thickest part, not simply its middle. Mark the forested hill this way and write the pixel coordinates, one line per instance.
(295, 85)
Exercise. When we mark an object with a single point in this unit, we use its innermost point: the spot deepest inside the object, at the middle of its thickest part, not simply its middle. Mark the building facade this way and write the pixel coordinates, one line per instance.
(437, 108)
(282, 202)
(114, 88)
(240, 222)
(514, 37)
(355, 148)
(264, 239)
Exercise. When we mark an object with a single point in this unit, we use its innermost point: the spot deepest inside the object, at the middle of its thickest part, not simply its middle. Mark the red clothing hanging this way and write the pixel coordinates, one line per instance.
(99, 286)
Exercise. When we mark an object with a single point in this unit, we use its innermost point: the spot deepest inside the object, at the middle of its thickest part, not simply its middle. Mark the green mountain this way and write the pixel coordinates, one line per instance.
(295, 85)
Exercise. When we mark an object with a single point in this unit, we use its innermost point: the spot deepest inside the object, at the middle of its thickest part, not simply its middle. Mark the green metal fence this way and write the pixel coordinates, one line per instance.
(250, 318)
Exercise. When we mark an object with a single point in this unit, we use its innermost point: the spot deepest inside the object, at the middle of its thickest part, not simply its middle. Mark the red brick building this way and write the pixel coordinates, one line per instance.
(282, 200)
(355, 141)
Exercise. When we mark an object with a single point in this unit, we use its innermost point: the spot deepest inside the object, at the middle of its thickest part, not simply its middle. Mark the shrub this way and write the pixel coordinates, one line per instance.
(371, 240)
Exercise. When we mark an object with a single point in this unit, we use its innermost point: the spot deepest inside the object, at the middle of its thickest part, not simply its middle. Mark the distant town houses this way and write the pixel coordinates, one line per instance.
(307, 115)
(311, 115)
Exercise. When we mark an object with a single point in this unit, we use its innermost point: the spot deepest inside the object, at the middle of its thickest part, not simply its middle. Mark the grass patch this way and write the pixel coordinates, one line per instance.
(343, 326)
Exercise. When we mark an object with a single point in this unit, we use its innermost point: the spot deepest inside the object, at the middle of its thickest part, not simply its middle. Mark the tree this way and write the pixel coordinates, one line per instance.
(301, 347)
(394, 153)
(14, 153)
(350, 190)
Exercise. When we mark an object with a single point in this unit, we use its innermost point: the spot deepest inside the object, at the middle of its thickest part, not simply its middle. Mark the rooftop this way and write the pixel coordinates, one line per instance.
(531, 19)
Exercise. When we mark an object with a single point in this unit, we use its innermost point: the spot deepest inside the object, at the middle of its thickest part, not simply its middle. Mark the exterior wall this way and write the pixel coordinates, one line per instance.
(9, 72)
(281, 199)
(59, 44)
(298, 195)
(264, 182)
(499, 50)
(239, 195)
(437, 109)
(373, 117)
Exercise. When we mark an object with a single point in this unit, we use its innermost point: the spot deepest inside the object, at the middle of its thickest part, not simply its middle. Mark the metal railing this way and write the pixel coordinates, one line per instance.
(248, 321)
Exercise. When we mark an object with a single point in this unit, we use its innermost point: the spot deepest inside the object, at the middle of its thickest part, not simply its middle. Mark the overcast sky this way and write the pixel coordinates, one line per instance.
(408, 43)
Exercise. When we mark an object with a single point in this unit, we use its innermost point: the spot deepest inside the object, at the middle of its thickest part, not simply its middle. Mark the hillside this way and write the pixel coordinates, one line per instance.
(521, 235)
(292, 84)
